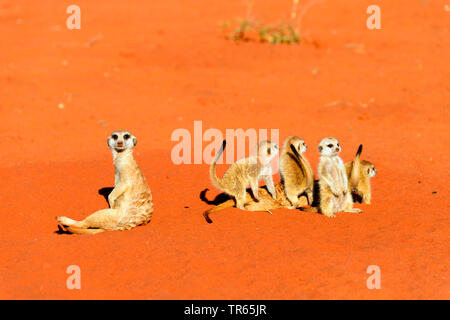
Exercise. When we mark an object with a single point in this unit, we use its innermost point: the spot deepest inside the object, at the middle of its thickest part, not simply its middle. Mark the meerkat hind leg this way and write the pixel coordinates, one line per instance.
(309, 196)
(107, 219)
(270, 186)
(327, 207)
(254, 186)
(240, 198)
(293, 199)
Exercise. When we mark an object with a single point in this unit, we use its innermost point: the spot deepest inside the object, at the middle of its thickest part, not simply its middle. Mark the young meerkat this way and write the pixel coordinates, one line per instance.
(246, 171)
(296, 173)
(130, 201)
(334, 195)
(266, 202)
(359, 173)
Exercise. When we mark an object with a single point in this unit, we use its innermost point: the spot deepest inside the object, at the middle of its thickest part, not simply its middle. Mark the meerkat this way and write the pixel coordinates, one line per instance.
(359, 173)
(131, 199)
(296, 173)
(334, 195)
(246, 171)
(266, 202)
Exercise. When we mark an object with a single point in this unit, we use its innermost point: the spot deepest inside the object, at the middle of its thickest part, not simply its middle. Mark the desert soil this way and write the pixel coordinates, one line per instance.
(155, 66)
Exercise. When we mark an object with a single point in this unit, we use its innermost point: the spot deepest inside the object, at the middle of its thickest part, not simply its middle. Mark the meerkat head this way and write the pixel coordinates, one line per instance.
(369, 167)
(294, 142)
(329, 147)
(121, 140)
(267, 150)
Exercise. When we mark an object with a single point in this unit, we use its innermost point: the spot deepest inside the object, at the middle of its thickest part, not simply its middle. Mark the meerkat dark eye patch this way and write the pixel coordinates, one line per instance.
(127, 136)
(115, 136)
(330, 145)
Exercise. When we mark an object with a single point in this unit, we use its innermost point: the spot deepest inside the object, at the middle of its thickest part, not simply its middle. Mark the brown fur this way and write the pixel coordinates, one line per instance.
(246, 172)
(296, 173)
(359, 173)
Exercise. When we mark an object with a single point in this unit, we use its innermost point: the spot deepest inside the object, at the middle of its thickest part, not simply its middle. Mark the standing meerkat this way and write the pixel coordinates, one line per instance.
(359, 173)
(130, 201)
(334, 195)
(246, 171)
(296, 173)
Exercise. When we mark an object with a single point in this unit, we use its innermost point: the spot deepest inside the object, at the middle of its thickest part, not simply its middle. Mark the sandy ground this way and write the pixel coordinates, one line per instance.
(154, 66)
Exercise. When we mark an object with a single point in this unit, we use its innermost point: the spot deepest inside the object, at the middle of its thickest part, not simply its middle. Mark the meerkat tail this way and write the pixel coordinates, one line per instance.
(295, 151)
(223, 205)
(310, 209)
(356, 166)
(301, 162)
(212, 169)
(66, 221)
(84, 230)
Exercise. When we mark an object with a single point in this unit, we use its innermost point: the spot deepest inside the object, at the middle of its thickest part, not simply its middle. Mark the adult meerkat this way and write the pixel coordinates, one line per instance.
(359, 173)
(296, 173)
(266, 202)
(246, 171)
(334, 195)
(131, 199)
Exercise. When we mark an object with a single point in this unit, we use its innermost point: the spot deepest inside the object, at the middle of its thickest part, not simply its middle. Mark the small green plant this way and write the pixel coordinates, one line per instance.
(249, 29)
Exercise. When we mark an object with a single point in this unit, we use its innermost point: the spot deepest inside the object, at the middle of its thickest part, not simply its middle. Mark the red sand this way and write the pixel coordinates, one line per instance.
(159, 65)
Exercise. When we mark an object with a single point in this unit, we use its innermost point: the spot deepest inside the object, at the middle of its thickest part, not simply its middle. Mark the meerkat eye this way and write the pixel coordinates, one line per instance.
(115, 136)
(330, 145)
(127, 136)
(269, 151)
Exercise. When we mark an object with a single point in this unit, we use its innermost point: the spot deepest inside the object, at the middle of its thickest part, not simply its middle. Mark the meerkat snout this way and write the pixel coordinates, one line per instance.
(372, 171)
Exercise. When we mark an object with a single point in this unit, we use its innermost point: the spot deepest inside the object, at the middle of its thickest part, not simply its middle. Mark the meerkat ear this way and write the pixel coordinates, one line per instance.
(320, 148)
(134, 141)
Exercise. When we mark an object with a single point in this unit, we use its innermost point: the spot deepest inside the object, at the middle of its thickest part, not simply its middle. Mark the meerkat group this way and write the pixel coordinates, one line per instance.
(339, 183)
(130, 201)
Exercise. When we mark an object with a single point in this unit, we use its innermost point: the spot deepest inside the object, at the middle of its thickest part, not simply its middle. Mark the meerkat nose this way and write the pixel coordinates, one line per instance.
(120, 143)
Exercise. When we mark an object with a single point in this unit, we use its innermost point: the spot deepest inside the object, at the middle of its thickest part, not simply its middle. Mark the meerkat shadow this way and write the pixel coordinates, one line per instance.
(61, 231)
(220, 198)
(356, 198)
(105, 192)
(316, 194)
